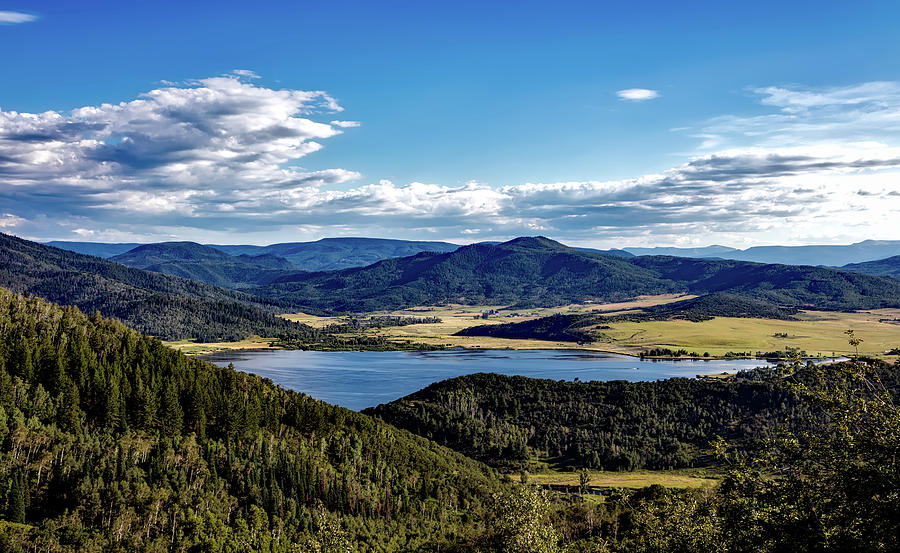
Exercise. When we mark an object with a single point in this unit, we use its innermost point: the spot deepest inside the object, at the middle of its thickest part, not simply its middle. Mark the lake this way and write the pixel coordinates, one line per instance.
(360, 379)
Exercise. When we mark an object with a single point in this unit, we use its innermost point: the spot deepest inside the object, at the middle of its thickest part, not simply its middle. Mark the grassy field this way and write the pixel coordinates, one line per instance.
(457, 317)
(203, 348)
(684, 478)
(817, 332)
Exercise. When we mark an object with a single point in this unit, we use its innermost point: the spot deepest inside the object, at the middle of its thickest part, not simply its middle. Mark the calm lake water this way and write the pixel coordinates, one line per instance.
(360, 379)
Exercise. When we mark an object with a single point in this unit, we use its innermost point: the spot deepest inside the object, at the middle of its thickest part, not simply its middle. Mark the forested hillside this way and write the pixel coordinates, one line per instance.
(156, 304)
(524, 271)
(113, 442)
(206, 264)
(540, 272)
(614, 425)
(889, 267)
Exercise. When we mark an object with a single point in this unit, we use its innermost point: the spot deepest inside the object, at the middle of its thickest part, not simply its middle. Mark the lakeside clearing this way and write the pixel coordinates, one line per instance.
(205, 348)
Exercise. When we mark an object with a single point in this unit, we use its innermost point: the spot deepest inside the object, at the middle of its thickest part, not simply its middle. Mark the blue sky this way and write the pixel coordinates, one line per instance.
(475, 121)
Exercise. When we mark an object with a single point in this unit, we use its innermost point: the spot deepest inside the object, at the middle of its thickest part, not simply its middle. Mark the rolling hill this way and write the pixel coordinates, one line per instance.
(614, 425)
(889, 267)
(537, 271)
(525, 271)
(206, 264)
(153, 303)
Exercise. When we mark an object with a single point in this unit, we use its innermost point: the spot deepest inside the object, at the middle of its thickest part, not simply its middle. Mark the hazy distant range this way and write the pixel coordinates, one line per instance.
(340, 253)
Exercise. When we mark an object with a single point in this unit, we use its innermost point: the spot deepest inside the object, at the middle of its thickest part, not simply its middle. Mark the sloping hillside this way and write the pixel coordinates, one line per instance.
(113, 442)
(157, 304)
(889, 267)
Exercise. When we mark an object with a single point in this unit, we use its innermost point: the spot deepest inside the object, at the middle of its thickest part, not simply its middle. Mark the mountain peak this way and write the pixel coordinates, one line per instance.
(534, 242)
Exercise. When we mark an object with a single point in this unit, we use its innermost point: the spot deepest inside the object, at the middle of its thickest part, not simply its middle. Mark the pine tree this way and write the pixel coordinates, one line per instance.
(16, 508)
(171, 415)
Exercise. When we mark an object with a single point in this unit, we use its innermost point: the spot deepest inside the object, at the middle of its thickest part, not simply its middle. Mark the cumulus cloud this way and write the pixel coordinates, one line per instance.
(10, 17)
(218, 139)
(637, 94)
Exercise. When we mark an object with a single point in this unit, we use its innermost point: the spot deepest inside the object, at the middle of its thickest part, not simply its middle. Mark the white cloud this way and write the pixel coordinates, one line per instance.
(345, 124)
(245, 73)
(8, 220)
(215, 138)
(637, 94)
(9, 17)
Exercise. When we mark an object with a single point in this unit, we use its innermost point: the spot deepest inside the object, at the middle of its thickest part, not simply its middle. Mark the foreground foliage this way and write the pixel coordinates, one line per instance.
(111, 441)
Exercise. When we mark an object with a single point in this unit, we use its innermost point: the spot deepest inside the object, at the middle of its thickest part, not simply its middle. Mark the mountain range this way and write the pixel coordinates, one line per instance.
(340, 253)
(322, 255)
(524, 272)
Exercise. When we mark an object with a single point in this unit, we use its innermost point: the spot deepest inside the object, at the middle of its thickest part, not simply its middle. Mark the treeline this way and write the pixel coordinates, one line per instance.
(111, 441)
(617, 425)
(556, 328)
(717, 304)
(355, 324)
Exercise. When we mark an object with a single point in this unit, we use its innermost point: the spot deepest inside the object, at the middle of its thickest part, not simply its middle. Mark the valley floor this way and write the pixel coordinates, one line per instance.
(819, 333)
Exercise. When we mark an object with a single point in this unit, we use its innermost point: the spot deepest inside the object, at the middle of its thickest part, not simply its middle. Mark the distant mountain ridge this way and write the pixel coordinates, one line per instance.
(825, 255)
(330, 254)
(97, 249)
(321, 255)
(344, 252)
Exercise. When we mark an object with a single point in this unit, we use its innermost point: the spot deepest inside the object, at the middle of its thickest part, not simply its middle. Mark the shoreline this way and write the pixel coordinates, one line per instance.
(266, 344)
